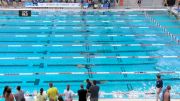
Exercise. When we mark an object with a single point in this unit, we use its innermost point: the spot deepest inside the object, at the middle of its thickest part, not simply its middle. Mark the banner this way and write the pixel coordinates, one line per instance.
(62, 5)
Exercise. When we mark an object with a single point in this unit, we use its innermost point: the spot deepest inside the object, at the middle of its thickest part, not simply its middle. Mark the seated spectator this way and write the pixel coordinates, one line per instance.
(8, 95)
(41, 96)
(106, 4)
(139, 3)
(69, 94)
(35, 2)
(19, 96)
(66, 1)
(4, 3)
(19, 3)
(41, 1)
(91, 3)
(55, 1)
(96, 6)
(85, 5)
(1, 3)
(165, 3)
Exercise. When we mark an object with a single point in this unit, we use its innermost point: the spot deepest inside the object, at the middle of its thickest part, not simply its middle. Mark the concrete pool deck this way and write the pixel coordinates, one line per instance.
(70, 9)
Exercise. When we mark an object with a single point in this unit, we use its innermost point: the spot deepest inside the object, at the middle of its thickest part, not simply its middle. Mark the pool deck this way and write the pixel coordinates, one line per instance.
(69, 9)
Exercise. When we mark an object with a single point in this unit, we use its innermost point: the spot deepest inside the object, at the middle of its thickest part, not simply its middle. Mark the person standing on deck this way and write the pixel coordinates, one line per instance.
(82, 93)
(166, 94)
(69, 94)
(94, 90)
(159, 86)
(19, 96)
(41, 96)
(8, 95)
(52, 92)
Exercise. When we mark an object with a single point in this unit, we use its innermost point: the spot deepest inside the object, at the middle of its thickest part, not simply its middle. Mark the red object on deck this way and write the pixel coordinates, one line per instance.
(121, 2)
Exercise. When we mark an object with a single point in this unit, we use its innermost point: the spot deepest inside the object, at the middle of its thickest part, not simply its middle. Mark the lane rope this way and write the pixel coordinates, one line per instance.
(82, 45)
(84, 57)
(82, 73)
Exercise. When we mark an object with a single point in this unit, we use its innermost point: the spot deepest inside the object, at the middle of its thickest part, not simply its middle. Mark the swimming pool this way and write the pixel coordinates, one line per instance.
(124, 49)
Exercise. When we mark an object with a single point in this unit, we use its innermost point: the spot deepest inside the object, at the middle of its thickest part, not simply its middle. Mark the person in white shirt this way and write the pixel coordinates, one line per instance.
(41, 96)
(69, 94)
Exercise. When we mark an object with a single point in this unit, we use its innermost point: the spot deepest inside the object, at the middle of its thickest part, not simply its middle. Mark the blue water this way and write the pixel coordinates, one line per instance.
(28, 45)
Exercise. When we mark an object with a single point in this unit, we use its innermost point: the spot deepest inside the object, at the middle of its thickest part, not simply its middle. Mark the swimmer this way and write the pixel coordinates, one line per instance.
(91, 54)
(86, 53)
(89, 82)
(84, 31)
(80, 66)
(83, 53)
(159, 86)
(101, 81)
(45, 52)
(41, 65)
(87, 66)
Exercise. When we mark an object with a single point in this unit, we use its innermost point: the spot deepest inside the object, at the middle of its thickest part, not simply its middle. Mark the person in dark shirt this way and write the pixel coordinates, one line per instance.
(82, 93)
(159, 86)
(88, 84)
(20, 94)
(4, 91)
(94, 90)
(139, 3)
(60, 98)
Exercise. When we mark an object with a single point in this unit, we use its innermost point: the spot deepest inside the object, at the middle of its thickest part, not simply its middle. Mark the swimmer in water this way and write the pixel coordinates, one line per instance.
(89, 82)
(87, 66)
(87, 53)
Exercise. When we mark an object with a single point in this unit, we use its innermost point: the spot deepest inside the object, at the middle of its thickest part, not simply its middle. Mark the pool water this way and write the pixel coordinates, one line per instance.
(49, 46)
